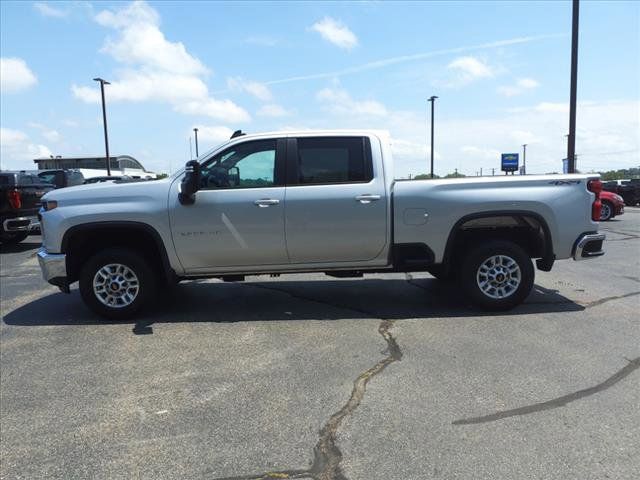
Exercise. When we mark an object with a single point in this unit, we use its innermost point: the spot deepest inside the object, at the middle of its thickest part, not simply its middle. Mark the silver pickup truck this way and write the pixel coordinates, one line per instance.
(293, 202)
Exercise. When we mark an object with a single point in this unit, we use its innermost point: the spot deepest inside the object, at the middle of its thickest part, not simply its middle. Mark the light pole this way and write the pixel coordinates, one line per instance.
(524, 159)
(571, 144)
(432, 99)
(104, 122)
(196, 132)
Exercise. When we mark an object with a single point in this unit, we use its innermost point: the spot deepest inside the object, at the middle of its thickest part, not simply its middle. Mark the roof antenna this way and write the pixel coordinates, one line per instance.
(237, 133)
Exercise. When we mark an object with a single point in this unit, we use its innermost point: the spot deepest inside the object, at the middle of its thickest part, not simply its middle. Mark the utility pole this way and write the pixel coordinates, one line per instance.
(493, 172)
(524, 159)
(480, 171)
(432, 99)
(104, 122)
(196, 132)
(571, 144)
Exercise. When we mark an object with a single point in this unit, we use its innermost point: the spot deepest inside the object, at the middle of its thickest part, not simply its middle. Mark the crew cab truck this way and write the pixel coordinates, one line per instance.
(293, 202)
(20, 194)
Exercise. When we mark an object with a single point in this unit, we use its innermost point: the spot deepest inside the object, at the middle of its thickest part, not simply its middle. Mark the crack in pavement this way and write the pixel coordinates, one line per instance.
(595, 303)
(326, 453)
(556, 402)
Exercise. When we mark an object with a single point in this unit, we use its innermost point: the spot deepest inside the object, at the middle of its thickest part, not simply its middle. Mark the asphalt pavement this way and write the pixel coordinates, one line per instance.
(386, 377)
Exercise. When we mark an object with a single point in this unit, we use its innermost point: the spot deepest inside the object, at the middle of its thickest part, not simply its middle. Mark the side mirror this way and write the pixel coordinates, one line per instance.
(190, 183)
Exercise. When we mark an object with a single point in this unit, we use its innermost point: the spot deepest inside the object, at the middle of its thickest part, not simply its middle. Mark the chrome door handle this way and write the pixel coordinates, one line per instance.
(367, 198)
(265, 202)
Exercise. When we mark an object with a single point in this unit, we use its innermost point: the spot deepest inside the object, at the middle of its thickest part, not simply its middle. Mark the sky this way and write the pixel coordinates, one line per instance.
(500, 71)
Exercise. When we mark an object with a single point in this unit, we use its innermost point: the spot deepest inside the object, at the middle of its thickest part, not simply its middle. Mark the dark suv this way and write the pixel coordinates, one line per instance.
(20, 194)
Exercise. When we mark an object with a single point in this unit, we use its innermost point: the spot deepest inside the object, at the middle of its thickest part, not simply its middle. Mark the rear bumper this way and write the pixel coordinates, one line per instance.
(21, 224)
(589, 245)
(54, 268)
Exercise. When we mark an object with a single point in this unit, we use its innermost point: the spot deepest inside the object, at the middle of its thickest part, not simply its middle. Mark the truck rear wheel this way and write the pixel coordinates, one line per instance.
(497, 275)
(116, 283)
(12, 238)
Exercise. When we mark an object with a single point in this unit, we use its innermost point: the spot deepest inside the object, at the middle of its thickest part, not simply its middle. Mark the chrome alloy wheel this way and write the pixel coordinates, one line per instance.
(116, 285)
(498, 276)
(605, 211)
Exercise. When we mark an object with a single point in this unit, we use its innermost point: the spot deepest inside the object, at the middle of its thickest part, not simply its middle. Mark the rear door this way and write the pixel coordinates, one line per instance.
(335, 201)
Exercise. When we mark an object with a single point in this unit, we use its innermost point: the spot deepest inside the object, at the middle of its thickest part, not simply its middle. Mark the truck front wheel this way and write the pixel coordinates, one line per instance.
(497, 275)
(116, 283)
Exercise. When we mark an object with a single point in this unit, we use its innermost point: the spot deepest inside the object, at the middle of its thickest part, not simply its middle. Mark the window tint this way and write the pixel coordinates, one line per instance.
(333, 160)
(246, 165)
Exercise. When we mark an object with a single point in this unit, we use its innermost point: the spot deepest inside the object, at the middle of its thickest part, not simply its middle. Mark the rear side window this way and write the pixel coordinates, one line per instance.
(5, 180)
(323, 160)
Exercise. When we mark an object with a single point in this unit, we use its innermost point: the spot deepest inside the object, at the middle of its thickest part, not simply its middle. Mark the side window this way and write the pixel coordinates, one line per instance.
(324, 160)
(246, 165)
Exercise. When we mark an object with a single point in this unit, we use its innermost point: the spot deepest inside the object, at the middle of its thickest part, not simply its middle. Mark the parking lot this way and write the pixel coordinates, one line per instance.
(386, 377)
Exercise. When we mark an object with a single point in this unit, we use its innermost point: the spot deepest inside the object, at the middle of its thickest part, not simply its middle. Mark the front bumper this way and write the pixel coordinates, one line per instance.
(54, 268)
(21, 224)
(588, 245)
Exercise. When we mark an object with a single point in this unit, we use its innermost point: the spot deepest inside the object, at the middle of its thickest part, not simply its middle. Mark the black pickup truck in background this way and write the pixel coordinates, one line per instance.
(629, 190)
(20, 194)
(62, 178)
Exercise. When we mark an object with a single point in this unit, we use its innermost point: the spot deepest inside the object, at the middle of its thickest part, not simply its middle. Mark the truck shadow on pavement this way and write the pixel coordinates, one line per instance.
(213, 301)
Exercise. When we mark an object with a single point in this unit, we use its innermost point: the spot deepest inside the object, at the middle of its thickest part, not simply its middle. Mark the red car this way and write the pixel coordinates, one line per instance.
(612, 205)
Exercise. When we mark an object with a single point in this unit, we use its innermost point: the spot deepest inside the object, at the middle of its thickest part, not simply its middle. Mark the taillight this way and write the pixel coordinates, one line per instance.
(14, 199)
(595, 186)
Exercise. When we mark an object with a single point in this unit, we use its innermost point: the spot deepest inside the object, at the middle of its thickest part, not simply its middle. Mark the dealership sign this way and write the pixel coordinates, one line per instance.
(509, 162)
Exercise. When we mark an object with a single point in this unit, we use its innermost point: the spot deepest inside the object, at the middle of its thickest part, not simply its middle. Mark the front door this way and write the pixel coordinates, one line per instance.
(238, 216)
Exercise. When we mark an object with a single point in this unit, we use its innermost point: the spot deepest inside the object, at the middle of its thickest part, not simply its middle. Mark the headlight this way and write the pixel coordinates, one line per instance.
(49, 205)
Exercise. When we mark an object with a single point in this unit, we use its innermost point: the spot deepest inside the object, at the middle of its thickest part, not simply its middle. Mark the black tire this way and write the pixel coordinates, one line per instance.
(470, 276)
(12, 238)
(606, 212)
(136, 263)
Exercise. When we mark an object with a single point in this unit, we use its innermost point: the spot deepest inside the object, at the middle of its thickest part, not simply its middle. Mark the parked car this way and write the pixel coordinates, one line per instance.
(62, 178)
(612, 205)
(313, 202)
(20, 194)
(629, 190)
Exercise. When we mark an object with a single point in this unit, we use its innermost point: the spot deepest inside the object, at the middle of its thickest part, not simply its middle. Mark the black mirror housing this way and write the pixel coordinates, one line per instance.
(190, 183)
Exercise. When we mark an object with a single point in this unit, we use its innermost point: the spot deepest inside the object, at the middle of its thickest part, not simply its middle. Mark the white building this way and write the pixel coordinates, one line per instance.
(97, 166)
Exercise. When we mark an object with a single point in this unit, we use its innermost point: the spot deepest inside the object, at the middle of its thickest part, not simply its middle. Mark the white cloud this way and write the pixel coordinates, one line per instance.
(339, 101)
(335, 32)
(220, 109)
(257, 89)
(17, 151)
(273, 110)
(48, 133)
(15, 75)
(214, 135)
(157, 69)
(521, 86)
(466, 70)
(48, 11)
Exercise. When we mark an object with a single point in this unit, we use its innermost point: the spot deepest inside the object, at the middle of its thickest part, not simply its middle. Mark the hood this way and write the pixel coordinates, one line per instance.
(99, 192)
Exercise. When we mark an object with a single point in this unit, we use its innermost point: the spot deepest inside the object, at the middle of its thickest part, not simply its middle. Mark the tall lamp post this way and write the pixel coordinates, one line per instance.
(432, 99)
(104, 122)
(571, 143)
(196, 132)
(524, 159)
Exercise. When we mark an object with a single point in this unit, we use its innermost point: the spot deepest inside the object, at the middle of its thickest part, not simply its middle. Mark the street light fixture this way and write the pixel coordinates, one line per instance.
(432, 99)
(104, 122)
